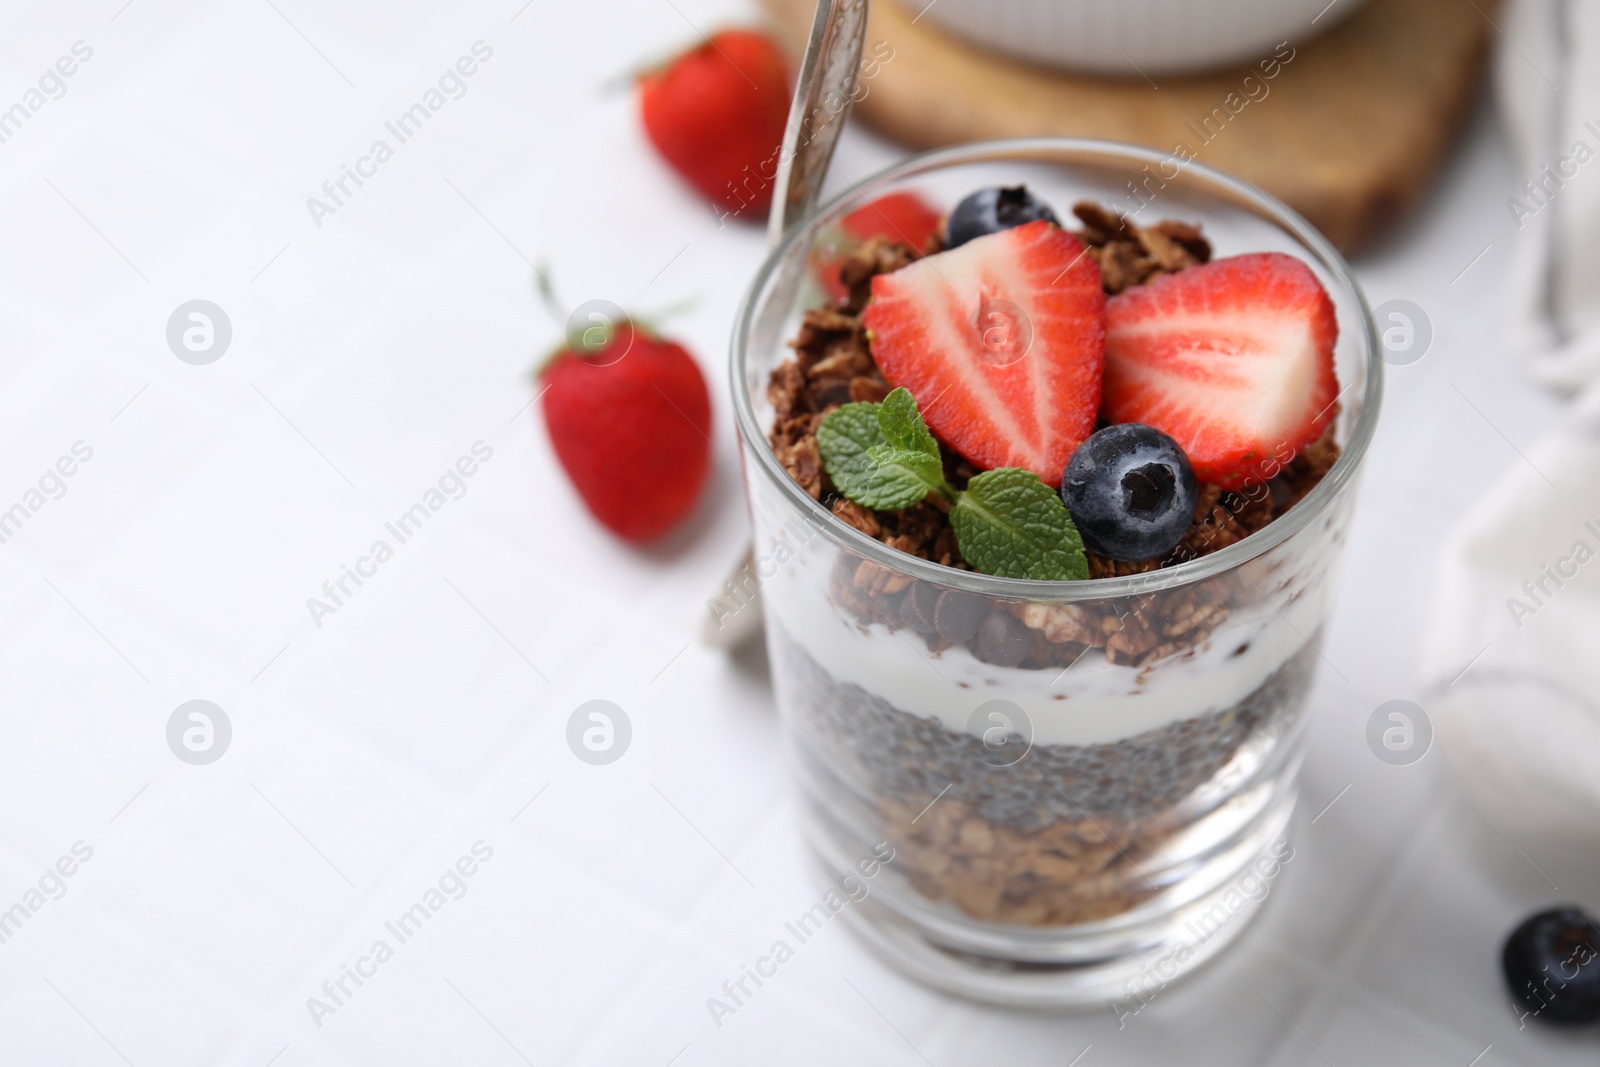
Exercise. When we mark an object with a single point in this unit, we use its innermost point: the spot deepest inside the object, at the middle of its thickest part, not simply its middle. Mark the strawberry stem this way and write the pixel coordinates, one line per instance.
(547, 296)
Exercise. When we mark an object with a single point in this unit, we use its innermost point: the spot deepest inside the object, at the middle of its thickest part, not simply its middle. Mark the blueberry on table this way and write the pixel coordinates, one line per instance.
(992, 210)
(1552, 966)
(1131, 492)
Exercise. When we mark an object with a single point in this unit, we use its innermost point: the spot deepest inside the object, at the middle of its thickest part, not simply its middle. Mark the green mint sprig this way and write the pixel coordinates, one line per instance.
(1007, 522)
(882, 455)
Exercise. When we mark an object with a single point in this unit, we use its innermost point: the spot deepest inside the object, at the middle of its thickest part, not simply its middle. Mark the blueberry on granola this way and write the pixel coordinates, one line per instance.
(1131, 492)
(1552, 966)
(992, 210)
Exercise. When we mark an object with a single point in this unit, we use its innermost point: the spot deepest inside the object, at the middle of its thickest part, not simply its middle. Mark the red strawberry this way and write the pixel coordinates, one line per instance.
(1018, 386)
(903, 217)
(1232, 359)
(717, 114)
(630, 429)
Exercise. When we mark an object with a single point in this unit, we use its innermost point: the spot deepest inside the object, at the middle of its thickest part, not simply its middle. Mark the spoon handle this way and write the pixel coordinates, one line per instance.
(829, 74)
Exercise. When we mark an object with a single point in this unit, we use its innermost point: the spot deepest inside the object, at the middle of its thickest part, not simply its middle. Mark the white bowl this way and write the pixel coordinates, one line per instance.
(1138, 38)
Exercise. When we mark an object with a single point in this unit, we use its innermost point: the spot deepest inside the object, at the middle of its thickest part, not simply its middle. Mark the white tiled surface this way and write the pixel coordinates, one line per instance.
(372, 752)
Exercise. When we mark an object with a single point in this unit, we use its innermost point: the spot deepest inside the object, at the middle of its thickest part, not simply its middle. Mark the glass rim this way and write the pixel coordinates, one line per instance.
(1301, 515)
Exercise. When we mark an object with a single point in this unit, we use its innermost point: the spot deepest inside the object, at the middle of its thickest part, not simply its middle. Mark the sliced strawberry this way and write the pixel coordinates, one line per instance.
(1001, 342)
(1233, 359)
(902, 216)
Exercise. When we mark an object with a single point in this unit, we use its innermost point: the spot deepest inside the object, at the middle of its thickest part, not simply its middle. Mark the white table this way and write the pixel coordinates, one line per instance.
(428, 712)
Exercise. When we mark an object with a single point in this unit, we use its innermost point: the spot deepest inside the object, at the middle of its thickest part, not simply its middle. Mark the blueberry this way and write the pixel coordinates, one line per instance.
(992, 210)
(1131, 492)
(1552, 966)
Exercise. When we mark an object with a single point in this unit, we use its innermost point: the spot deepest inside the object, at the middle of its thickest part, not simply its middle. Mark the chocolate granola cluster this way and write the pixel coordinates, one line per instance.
(1131, 631)
(1131, 255)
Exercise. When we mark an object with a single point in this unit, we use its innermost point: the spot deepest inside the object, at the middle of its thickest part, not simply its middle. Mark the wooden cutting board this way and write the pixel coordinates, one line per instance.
(1348, 133)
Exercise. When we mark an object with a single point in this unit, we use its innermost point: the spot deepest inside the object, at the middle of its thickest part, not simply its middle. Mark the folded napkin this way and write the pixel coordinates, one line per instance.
(1514, 651)
(1513, 656)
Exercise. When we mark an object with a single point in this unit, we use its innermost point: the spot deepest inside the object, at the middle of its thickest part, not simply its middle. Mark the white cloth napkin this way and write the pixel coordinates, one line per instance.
(1513, 656)
(1514, 653)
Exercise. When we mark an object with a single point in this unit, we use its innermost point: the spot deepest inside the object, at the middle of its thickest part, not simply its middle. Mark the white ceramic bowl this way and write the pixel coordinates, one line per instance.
(1137, 37)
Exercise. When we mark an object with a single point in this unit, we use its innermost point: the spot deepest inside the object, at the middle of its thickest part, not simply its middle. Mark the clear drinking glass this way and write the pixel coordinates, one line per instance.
(1067, 823)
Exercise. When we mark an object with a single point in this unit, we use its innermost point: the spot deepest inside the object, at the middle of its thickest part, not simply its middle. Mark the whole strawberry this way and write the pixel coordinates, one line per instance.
(903, 217)
(630, 419)
(716, 113)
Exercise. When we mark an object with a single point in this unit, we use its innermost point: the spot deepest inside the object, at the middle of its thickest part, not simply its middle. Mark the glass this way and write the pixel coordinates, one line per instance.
(1082, 788)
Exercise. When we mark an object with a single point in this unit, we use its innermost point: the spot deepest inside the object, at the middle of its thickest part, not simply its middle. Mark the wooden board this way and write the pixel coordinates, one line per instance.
(1348, 133)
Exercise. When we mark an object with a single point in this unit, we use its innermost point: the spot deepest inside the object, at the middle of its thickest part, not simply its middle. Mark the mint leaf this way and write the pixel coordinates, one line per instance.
(851, 442)
(1010, 524)
(901, 476)
(930, 469)
(882, 456)
(903, 427)
(908, 443)
(1007, 522)
(844, 438)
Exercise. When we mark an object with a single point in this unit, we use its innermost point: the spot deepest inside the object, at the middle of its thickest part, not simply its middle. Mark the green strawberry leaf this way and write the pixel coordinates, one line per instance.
(1010, 524)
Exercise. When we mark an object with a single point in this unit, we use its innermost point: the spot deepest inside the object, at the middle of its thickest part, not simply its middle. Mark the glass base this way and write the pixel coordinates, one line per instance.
(1118, 964)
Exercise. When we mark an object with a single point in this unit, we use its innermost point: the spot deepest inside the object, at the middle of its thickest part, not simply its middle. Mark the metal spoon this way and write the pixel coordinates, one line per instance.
(828, 71)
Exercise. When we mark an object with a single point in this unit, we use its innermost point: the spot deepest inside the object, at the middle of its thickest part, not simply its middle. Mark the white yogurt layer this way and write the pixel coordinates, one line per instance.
(1092, 702)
